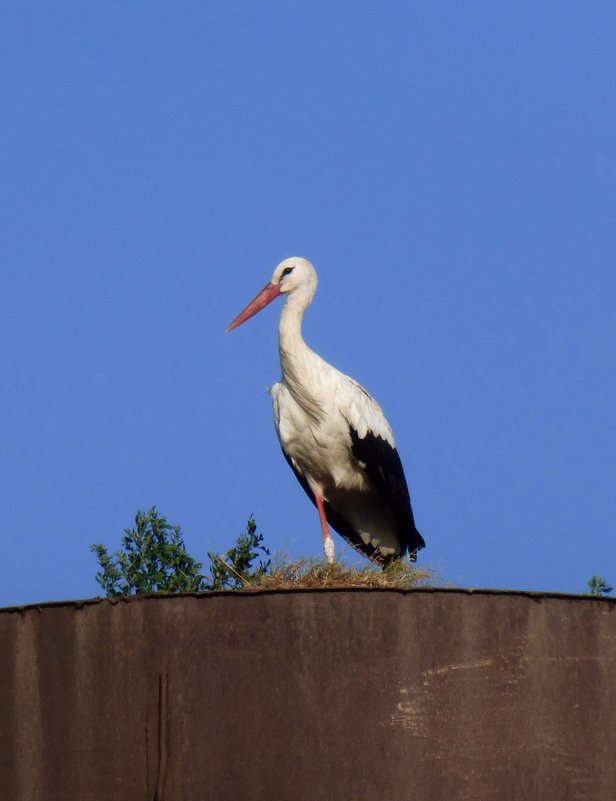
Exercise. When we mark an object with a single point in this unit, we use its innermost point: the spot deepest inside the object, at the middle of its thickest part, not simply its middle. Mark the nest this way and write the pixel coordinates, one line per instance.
(313, 574)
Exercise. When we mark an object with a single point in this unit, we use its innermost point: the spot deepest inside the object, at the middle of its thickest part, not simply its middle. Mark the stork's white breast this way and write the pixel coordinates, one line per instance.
(319, 445)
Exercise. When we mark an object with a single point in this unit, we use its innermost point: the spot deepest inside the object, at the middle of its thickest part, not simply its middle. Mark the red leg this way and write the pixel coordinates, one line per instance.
(328, 543)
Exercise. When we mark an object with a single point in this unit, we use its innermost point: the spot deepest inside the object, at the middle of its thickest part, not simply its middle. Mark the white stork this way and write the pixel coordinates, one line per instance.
(334, 435)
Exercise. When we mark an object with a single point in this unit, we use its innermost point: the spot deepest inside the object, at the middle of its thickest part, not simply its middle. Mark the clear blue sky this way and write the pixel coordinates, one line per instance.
(449, 168)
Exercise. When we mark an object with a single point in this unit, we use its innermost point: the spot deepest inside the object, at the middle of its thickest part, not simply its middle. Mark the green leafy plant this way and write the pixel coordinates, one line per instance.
(234, 569)
(153, 559)
(599, 586)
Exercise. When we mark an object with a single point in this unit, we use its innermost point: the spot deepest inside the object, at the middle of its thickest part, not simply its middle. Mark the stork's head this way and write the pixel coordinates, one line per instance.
(294, 275)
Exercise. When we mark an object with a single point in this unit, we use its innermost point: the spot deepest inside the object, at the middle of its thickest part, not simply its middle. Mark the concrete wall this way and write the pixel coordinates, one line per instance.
(333, 695)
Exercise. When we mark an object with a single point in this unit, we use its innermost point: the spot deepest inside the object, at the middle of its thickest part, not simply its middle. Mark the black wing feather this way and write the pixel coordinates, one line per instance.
(384, 470)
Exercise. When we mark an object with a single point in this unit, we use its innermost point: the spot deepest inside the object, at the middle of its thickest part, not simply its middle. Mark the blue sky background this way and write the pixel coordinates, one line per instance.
(450, 169)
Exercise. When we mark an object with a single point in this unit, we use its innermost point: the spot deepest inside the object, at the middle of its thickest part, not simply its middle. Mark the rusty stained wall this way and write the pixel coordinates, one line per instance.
(329, 695)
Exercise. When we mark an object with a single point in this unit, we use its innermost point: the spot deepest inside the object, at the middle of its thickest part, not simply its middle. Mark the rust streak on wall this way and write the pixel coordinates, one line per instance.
(163, 736)
(319, 695)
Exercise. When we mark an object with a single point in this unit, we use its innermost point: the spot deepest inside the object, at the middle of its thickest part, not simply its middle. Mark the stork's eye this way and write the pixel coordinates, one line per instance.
(287, 271)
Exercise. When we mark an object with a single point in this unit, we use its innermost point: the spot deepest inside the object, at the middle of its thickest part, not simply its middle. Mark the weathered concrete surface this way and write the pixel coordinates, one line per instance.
(331, 695)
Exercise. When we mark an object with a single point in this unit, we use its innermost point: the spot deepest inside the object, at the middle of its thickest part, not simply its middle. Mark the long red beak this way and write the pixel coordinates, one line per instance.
(265, 296)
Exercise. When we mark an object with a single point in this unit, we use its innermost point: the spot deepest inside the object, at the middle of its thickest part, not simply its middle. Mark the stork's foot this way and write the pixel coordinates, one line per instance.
(328, 547)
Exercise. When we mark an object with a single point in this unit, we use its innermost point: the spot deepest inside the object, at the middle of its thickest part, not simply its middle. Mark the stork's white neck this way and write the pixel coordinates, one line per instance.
(291, 344)
(297, 360)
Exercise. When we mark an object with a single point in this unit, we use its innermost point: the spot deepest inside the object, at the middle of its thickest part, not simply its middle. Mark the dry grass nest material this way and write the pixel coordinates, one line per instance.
(316, 574)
